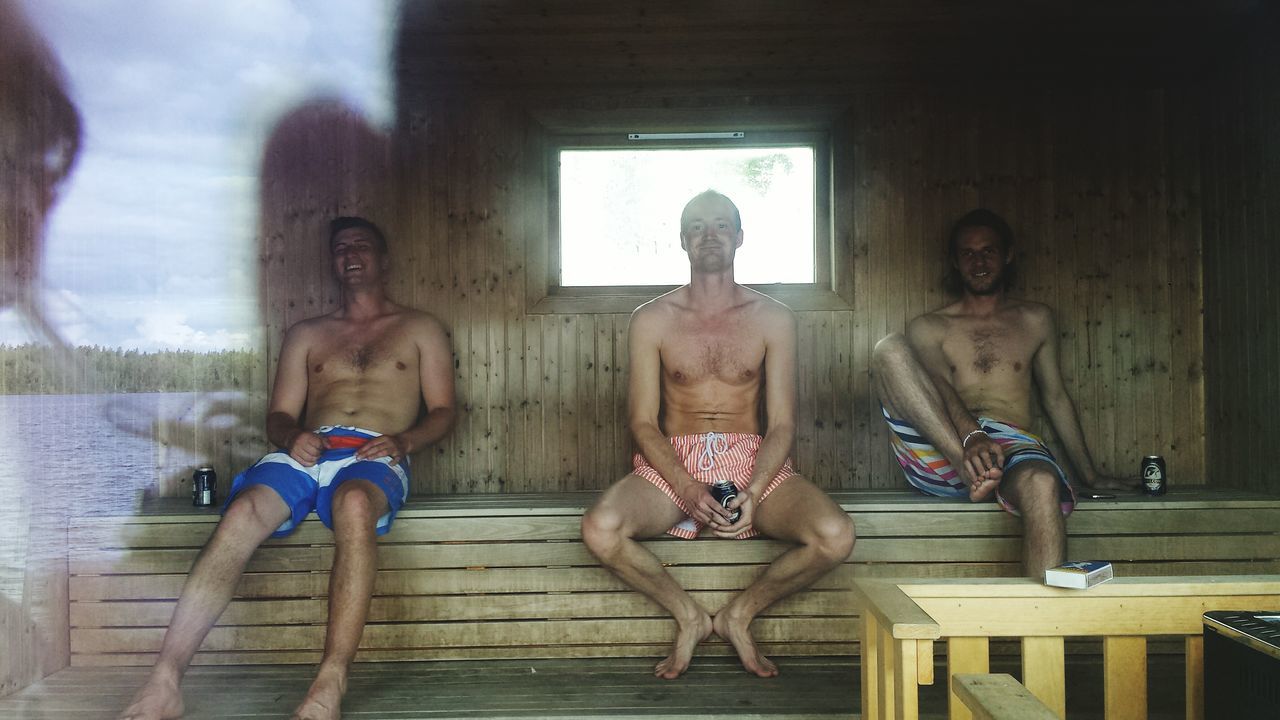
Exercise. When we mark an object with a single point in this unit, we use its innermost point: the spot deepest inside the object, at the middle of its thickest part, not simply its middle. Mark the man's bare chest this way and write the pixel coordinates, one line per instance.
(698, 354)
(985, 349)
(355, 354)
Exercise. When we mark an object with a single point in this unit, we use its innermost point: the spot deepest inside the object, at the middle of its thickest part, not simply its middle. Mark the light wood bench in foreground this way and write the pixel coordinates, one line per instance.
(903, 619)
(507, 576)
(998, 697)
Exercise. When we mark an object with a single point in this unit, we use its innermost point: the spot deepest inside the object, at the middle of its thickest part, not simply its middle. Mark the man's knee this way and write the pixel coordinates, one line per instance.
(893, 351)
(1035, 489)
(356, 501)
(258, 509)
(602, 529)
(834, 537)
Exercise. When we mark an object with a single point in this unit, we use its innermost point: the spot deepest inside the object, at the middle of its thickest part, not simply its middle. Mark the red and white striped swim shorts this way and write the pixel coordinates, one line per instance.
(710, 458)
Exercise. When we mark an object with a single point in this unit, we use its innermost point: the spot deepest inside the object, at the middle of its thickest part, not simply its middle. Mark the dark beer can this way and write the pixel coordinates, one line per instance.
(724, 492)
(1154, 478)
(204, 487)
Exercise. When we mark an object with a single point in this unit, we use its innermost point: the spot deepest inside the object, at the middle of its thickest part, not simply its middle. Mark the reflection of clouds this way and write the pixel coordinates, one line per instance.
(151, 324)
(161, 328)
(178, 97)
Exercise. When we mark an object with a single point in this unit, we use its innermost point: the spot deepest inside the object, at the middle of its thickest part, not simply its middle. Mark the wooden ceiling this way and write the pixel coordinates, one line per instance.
(546, 46)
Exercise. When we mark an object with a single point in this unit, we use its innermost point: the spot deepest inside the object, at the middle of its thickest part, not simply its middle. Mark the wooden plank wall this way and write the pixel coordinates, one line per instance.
(1101, 185)
(1242, 252)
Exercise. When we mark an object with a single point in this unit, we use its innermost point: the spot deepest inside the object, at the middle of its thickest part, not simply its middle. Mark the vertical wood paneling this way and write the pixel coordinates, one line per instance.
(1096, 183)
(1241, 232)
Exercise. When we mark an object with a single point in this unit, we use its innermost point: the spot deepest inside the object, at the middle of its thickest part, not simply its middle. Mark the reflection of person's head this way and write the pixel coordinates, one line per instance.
(39, 143)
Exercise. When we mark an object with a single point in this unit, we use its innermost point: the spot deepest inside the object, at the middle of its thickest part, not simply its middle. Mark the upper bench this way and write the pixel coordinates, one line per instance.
(507, 576)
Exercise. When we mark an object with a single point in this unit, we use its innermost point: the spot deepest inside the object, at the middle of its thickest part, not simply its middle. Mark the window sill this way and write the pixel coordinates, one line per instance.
(615, 300)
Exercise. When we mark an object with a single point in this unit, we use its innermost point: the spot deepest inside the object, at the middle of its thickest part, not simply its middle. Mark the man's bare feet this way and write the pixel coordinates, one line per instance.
(738, 633)
(688, 635)
(158, 699)
(324, 699)
(983, 489)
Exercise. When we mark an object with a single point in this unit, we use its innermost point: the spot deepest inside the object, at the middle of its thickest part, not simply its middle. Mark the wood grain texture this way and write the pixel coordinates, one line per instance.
(1000, 697)
(1241, 207)
(502, 575)
(1091, 201)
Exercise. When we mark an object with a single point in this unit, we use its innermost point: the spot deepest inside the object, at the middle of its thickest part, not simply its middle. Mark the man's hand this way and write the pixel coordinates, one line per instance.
(391, 446)
(745, 503)
(307, 447)
(983, 459)
(702, 505)
(1110, 482)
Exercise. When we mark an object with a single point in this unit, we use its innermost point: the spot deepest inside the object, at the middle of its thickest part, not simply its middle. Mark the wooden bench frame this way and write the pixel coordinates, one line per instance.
(902, 620)
(997, 696)
(474, 577)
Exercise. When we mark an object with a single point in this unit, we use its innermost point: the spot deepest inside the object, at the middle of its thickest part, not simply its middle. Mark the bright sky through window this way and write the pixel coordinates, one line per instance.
(620, 212)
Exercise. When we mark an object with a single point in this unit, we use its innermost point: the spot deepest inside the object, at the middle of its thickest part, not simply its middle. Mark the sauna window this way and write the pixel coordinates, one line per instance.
(614, 215)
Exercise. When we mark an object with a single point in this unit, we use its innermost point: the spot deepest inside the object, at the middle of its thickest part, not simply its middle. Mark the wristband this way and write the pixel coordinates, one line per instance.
(964, 444)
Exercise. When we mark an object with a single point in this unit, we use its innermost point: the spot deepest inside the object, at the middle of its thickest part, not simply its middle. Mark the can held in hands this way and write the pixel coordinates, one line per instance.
(724, 492)
(204, 487)
(1154, 478)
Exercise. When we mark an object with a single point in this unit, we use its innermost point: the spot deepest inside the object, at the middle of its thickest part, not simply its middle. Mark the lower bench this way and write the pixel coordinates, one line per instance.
(904, 619)
(502, 576)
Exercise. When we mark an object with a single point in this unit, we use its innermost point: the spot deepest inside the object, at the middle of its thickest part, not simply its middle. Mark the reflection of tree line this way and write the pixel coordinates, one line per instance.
(33, 369)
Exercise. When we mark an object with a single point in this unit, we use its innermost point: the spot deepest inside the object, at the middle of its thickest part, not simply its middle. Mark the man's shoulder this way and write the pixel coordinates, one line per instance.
(1036, 315)
(419, 318)
(661, 307)
(932, 323)
(311, 326)
(765, 305)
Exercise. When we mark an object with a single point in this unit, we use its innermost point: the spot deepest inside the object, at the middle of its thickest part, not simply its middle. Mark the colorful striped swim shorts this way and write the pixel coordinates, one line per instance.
(710, 458)
(929, 472)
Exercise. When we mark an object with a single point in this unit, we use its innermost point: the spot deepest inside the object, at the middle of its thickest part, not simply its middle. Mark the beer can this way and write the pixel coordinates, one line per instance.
(724, 492)
(204, 487)
(1154, 478)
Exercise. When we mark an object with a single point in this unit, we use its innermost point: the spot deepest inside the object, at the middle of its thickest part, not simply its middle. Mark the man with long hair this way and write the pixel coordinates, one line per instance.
(956, 390)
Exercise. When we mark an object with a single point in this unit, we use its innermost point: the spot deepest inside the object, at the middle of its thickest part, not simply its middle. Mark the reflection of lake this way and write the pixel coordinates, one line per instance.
(100, 451)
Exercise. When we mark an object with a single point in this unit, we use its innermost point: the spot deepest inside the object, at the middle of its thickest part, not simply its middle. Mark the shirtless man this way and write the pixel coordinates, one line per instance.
(701, 356)
(956, 392)
(346, 413)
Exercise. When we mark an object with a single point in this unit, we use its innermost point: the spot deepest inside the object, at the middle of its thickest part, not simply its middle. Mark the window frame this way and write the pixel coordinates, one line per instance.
(545, 294)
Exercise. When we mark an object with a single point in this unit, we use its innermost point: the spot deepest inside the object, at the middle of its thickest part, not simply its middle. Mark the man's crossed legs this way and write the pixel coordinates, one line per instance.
(797, 511)
(926, 442)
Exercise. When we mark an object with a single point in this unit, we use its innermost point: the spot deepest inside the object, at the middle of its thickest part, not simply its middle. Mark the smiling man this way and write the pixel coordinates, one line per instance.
(347, 409)
(956, 392)
(702, 358)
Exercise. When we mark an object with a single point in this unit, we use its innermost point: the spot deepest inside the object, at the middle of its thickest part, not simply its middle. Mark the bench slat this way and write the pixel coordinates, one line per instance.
(1000, 697)
(709, 648)
(520, 554)
(508, 576)
(1091, 615)
(461, 634)
(831, 603)
(182, 533)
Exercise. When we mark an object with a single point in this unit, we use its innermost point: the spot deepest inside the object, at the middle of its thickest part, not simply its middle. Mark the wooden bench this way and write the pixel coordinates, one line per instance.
(997, 696)
(494, 577)
(902, 620)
